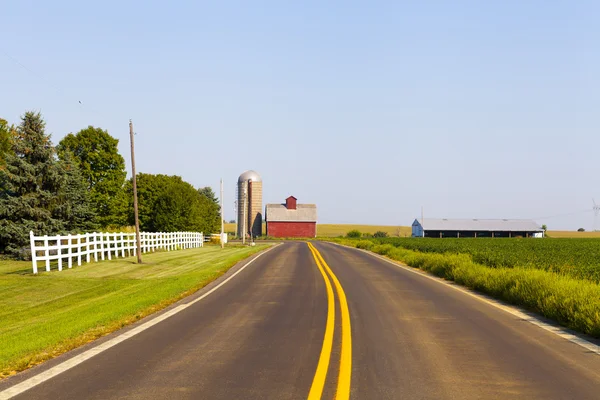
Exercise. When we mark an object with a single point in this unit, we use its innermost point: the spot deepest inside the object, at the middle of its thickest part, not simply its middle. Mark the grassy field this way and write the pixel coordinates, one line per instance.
(562, 296)
(335, 230)
(45, 315)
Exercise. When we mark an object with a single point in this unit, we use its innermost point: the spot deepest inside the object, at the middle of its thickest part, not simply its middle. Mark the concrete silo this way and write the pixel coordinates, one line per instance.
(249, 204)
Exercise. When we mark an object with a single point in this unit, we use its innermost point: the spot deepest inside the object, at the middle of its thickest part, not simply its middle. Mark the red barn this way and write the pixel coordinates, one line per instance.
(291, 219)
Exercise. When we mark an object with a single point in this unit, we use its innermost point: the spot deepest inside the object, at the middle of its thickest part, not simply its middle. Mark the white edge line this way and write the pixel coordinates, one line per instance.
(86, 355)
(594, 348)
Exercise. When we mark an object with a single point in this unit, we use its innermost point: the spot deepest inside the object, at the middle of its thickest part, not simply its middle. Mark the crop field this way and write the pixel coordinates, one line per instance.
(44, 315)
(557, 278)
(335, 230)
(579, 258)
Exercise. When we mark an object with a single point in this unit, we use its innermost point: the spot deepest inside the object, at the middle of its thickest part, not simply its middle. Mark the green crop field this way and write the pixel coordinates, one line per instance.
(579, 258)
(45, 315)
(557, 278)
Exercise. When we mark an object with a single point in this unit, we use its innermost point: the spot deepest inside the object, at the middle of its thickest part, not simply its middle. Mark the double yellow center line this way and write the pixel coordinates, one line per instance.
(345, 372)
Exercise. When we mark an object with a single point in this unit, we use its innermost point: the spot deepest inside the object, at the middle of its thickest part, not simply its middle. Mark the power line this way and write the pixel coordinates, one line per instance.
(563, 215)
(40, 77)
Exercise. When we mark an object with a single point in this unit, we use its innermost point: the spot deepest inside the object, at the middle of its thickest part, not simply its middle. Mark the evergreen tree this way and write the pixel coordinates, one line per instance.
(74, 207)
(30, 183)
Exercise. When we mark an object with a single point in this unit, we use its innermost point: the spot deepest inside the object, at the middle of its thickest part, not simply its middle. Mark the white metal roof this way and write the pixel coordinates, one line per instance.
(480, 225)
(302, 213)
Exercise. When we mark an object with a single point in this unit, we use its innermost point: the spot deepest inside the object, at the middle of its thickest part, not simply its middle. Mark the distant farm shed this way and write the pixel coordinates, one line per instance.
(291, 219)
(442, 227)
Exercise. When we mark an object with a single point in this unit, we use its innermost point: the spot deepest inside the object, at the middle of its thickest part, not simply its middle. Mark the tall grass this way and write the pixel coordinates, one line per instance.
(572, 302)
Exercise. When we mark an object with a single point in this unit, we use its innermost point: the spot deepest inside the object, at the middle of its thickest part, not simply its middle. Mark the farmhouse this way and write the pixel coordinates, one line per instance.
(291, 219)
(457, 228)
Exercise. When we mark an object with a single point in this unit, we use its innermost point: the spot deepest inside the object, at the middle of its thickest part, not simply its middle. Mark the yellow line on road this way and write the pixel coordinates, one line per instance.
(345, 374)
(316, 390)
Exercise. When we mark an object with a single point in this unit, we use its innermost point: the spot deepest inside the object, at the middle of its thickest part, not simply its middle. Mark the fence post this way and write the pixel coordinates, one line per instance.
(87, 247)
(101, 245)
(95, 246)
(58, 252)
(122, 246)
(69, 251)
(108, 246)
(47, 252)
(78, 250)
(116, 242)
(33, 255)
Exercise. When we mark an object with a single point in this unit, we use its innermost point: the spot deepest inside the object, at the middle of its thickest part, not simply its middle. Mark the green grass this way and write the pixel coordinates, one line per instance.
(45, 315)
(572, 302)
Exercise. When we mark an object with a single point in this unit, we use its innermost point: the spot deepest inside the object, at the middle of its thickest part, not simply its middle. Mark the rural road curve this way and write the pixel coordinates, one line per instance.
(262, 336)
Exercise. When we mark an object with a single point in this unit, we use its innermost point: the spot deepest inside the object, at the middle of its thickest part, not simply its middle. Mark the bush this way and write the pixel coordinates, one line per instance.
(354, 234)
(364, 244)
(380, 234)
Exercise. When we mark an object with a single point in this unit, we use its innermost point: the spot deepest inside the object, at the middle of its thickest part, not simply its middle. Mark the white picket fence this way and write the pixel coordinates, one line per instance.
(103, 246)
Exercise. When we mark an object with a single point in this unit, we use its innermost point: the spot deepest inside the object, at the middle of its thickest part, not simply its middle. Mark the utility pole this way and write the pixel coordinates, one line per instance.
(222, 224)
(135, 198)
(235, 212)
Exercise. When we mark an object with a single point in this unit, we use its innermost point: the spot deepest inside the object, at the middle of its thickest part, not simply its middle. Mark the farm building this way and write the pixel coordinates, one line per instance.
(442, 227)
(291, 219)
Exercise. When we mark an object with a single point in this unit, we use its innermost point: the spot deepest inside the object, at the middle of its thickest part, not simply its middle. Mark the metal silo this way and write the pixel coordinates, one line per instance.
(249, 204)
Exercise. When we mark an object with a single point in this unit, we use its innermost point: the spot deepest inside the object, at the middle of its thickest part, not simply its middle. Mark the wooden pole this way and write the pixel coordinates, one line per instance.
(135, 198)
(222, 223)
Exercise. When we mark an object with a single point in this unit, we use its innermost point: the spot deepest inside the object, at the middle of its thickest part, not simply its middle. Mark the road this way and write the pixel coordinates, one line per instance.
(280, 329)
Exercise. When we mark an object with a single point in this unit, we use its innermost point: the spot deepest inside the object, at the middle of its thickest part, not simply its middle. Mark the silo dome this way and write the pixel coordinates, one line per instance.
(249, 175)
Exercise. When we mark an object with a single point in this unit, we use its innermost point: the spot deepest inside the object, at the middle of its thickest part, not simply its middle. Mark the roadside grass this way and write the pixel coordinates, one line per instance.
(46, 315)
(574, 303)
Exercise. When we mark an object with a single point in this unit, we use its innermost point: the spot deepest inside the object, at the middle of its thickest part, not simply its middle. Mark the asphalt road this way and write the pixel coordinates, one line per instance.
(264, 335)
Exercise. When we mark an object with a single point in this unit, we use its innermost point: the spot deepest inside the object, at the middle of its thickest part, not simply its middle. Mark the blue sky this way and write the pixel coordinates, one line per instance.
(482, 109)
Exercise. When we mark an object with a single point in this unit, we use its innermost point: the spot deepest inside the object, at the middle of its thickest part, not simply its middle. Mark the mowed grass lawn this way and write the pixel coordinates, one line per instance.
(45, 315)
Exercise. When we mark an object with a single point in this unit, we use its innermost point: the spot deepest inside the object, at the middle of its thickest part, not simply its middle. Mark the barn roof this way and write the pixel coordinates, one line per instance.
(303, 213)
(479, 225)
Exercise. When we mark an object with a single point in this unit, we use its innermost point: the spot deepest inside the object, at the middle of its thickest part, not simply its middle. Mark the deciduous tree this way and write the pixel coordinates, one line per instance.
(103, 169)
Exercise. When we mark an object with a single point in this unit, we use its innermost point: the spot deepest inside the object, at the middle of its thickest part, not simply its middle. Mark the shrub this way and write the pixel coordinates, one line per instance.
(380, 234)
(354, 234)
(364, 244)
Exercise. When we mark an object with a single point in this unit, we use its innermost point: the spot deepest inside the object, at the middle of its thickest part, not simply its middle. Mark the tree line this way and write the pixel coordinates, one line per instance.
(81, 185)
